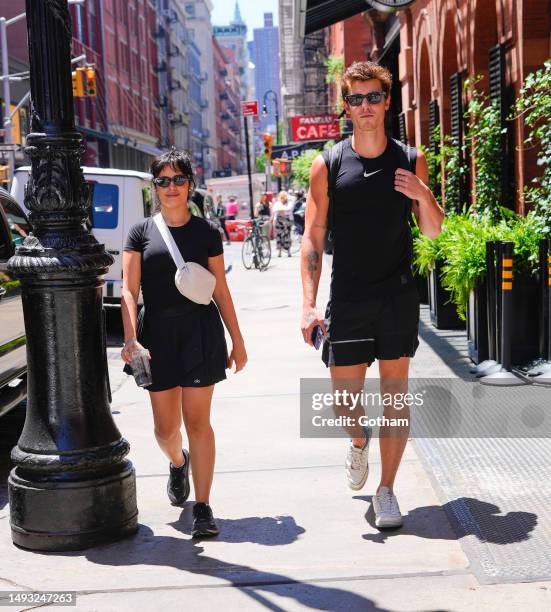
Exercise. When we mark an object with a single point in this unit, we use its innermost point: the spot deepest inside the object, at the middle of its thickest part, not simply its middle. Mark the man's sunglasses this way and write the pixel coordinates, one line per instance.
(164, 181)
(373, 97)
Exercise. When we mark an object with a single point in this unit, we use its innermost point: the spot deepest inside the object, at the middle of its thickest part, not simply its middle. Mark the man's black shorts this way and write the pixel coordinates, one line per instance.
(376, 328)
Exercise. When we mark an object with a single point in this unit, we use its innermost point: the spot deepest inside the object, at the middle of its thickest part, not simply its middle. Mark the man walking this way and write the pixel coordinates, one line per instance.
(373, 183)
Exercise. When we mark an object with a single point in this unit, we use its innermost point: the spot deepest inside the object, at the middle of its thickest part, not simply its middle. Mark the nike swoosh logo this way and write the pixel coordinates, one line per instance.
(367, 174)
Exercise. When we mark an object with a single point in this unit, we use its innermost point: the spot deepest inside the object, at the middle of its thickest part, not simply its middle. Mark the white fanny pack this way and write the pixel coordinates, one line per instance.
(191, 279)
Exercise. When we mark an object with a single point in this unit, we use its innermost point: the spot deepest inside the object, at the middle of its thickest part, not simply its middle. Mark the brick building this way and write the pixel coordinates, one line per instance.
(350, 40)
(443, 42)
(121, 124)
(227, 100)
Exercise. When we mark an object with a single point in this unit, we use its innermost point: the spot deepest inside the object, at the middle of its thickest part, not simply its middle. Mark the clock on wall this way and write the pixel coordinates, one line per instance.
(389, 5)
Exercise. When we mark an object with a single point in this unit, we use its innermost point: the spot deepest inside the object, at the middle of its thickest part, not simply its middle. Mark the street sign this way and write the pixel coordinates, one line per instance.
(315, 127)
(249, 108)
(287, 151)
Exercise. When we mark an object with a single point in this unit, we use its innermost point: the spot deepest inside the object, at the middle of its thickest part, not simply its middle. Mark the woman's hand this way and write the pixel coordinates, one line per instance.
(238, 356)
(130, 347)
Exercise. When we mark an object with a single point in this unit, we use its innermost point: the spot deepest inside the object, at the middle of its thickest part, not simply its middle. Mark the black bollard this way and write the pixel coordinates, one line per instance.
(540, 364)
(72, 486)
(543, 375)
(505, 284)
(499, 298)
(548, 310)
(490, 365)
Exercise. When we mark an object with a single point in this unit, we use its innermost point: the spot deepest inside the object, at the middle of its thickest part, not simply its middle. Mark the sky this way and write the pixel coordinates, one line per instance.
(252, 12)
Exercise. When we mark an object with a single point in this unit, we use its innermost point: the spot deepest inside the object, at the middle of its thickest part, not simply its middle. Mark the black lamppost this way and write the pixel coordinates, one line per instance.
(71, 487)
(265, 112)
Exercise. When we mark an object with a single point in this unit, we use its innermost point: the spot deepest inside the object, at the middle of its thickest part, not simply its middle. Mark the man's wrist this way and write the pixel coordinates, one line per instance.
(426, 198)
(129, 340)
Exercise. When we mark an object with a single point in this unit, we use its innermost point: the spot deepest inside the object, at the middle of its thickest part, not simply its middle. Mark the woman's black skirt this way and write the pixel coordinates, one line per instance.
(187, 350)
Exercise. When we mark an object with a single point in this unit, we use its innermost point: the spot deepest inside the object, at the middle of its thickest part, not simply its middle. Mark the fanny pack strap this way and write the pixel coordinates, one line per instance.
(169, 241)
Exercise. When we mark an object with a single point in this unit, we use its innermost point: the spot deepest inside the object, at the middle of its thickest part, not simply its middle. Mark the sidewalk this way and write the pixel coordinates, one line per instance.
(293, 536)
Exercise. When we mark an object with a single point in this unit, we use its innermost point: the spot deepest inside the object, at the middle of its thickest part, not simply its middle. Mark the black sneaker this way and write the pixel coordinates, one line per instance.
(203, 521)
(178, 482)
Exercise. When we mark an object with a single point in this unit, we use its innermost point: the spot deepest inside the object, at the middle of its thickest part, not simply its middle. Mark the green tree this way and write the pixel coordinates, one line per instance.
(484, 135)
(534, 104)
(301, 165)
(261, 163)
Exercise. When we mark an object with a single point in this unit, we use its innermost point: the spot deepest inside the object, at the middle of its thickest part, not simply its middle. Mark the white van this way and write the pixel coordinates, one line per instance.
(120, 198)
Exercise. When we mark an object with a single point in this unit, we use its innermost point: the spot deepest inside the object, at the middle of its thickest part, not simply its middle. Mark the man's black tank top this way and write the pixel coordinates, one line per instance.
(372, 248)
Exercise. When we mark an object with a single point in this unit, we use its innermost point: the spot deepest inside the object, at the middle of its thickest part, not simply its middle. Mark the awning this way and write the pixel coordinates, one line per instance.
(313, 15)
(96, 133)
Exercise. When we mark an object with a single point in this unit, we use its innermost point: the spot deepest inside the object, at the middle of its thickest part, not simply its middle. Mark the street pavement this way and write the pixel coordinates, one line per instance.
(293, 536)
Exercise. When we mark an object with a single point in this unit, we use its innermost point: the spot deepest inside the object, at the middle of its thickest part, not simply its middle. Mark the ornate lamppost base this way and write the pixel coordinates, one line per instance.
(87, 512)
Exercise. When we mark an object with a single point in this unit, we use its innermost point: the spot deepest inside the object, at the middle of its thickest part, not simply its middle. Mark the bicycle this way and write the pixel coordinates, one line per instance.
(256, 248)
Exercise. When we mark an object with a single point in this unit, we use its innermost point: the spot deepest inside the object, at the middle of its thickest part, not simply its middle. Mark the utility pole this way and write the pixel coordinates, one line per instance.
(248, 154)
(7, 123)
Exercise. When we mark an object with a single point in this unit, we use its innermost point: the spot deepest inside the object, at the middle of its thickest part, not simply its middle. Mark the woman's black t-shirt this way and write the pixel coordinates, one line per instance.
(197, 240)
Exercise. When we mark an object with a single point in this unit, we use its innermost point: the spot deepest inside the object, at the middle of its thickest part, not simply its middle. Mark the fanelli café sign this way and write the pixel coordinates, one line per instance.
(315, 127)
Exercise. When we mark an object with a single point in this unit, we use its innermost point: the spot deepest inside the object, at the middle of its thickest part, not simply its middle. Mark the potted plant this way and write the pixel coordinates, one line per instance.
(429, 259)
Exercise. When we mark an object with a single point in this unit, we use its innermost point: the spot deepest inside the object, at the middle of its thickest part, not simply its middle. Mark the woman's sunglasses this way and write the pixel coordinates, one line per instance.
(164, 181)
(373, 97)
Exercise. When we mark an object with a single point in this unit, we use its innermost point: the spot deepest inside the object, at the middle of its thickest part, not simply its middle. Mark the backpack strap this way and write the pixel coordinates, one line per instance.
(332, 159)
(412, 158)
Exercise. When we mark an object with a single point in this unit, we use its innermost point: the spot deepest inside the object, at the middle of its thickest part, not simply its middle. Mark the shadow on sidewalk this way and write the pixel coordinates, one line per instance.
(184, 554)
(266, 530)
(441, 342)
(456, 519)
(147, 549)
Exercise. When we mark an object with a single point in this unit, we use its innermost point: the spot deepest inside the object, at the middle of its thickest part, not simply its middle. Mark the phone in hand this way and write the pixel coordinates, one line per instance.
(317, 337)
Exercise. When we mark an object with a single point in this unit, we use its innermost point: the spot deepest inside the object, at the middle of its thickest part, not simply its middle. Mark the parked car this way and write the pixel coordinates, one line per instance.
(13, 358)
(120, 198)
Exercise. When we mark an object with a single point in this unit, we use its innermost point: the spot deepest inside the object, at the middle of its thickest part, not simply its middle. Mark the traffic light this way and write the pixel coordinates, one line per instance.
(284, 167)
(78, 83)
(90, 75)
(268, 138)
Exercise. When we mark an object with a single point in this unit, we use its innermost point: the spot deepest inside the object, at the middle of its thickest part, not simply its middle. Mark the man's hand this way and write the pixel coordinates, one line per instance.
(410, 185)
(310, 318)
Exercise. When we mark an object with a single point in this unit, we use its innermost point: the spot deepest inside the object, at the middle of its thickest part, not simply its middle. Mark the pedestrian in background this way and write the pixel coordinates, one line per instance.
(263, 210)
(281, 217)
(185, 339)
(231, 208)
(220, 212)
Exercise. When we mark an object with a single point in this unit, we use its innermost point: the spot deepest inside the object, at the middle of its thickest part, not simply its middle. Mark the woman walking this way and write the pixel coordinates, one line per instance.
(185, 339)
(263, 210)
(281, 212)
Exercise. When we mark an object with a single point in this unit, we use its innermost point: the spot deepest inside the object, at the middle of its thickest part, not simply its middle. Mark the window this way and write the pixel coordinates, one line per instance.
(17, 222)
(105, 205)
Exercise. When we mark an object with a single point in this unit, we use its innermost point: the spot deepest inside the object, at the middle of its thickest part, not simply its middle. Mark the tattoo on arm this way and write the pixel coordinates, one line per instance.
(313, 259)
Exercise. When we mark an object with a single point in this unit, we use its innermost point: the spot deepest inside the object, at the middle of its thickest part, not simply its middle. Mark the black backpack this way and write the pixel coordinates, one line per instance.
(332, 158)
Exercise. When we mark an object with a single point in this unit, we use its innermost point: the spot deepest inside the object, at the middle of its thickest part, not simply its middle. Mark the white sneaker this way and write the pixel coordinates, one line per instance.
(387, 511)
(357, 467)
